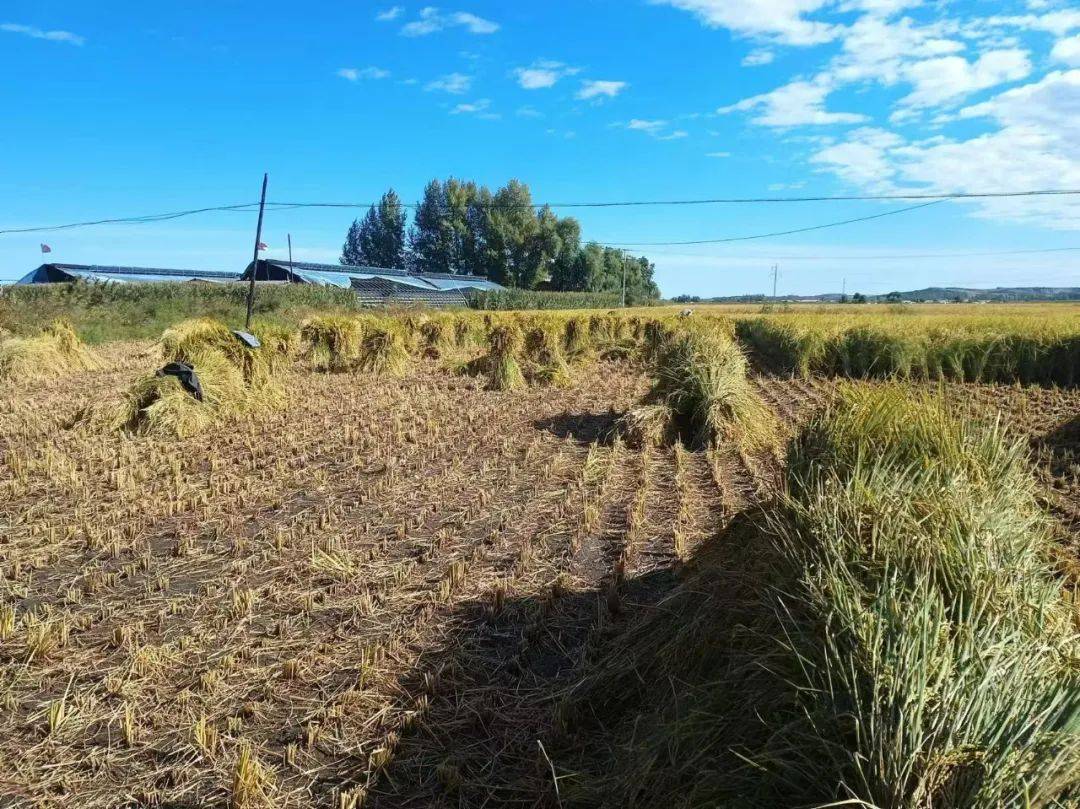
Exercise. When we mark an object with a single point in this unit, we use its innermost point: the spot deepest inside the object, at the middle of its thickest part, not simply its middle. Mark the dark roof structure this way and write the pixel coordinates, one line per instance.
(375, 285)
(61, 273)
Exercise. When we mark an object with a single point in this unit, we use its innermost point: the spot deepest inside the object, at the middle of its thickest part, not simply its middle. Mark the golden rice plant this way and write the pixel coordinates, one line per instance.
(382, 350)
(333, 341)
(159, 405)
(701, 377)
(56, 351)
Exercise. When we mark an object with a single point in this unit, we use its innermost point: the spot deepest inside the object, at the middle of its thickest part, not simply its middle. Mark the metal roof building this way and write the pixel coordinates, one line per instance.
(375, 285)
(60, 273)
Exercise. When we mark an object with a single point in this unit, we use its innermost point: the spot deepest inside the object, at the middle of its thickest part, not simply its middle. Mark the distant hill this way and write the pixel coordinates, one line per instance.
(945, 294)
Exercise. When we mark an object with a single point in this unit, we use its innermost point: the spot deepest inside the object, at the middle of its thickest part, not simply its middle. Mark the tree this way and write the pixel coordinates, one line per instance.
(430, 235)
(893, 297)
(378, 240)
(858, 297)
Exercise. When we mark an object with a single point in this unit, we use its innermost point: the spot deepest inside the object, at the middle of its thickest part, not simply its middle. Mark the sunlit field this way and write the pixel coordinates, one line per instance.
(584, 558)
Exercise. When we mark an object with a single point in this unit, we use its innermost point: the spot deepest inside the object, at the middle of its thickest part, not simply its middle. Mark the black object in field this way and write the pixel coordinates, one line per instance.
(189, 380)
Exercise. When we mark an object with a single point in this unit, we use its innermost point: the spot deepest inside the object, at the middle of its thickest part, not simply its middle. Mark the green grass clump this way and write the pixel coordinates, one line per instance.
(701, 377)
(892, 634)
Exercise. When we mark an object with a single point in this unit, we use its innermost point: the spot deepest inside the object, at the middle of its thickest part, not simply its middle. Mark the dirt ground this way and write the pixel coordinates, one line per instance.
(385, 588)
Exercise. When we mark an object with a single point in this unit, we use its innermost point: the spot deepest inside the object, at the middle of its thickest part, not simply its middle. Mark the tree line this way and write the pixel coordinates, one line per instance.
(462, 228)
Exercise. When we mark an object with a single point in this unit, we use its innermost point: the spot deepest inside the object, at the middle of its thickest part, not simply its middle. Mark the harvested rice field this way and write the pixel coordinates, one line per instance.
(533, 561)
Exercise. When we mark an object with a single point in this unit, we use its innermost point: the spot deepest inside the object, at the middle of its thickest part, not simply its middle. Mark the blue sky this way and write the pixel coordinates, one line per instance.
(124, 108)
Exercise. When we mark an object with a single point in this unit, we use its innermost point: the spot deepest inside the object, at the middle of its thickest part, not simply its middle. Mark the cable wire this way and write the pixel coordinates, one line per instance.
(778, 232)
(247, 206)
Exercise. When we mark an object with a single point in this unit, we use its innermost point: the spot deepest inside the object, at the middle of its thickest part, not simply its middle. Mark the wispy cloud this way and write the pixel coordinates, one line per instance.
(656, 128)
(597, 90)
(718, 154)
(528, 112)
(798, 103)
(358, 73)
(758, 58)
(39, 33)
(543, 73)
(480, 108)
(390, 14)
(454, 83)
(431, 21)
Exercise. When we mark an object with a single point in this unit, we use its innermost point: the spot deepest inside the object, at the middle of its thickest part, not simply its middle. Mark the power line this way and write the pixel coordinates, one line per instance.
(280, 206)
(778, 232)
(887, 256)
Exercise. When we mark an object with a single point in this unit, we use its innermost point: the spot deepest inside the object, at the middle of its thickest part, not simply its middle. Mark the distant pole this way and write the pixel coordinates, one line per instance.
(843, 289)
(255, 260)
(775, 271)
(624, 283)
(289, 237)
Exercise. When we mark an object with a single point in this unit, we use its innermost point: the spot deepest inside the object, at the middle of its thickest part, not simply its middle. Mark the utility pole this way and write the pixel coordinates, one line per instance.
(289, 237)
(775, 272)
(255, 260)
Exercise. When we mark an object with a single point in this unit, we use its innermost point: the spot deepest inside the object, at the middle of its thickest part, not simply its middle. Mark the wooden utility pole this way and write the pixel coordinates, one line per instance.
(775, 272)
(255, 260)
(289, 237)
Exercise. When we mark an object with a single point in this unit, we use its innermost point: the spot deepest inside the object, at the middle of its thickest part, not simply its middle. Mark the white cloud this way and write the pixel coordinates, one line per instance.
(656, 128)
(1057, 23)
(600, 89)
(799, 103)
(390, 14)
(355, 74)
(784, 20)
(454, 83)
(718, 154)
(543, 73)
(758, 58)
(480, 108)
(1067, 51)
(431, 20)
(1034, 147)
(38, 33)
(862, 158)
(951, 78)
(644, 125)
(528, 112)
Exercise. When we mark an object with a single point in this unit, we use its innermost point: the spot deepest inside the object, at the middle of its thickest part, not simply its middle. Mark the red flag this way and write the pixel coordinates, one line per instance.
(263, 246)
(45, 248)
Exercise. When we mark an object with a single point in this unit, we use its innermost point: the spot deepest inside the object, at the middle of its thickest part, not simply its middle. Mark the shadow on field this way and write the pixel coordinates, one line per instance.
(585, 428)
(516, 701)
(1064, 445)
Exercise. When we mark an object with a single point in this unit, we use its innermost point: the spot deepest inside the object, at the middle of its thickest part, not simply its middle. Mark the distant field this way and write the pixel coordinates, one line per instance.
(578, 559)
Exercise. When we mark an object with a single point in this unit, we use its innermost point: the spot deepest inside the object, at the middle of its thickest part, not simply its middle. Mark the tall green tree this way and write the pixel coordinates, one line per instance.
(379, 239)
(430, 235)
